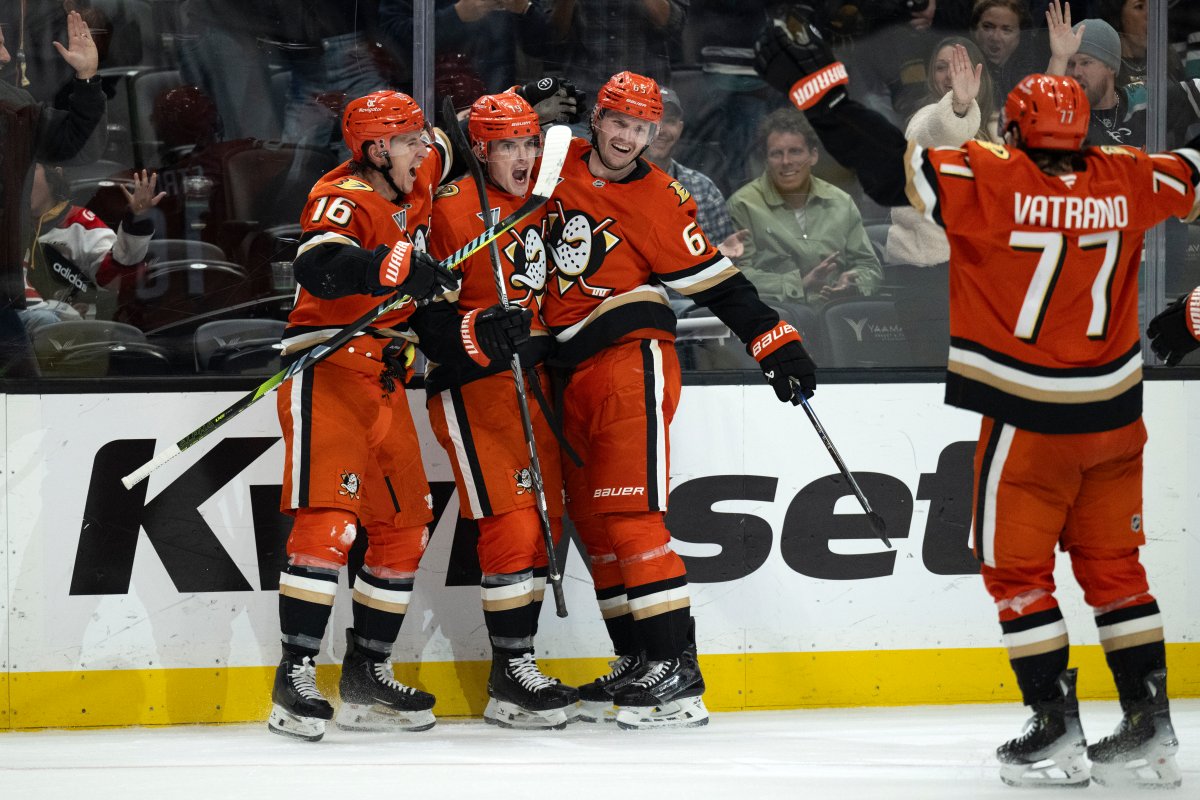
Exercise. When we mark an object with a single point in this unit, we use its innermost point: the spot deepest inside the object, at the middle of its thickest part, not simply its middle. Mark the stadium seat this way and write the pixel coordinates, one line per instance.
(864, 332)
(239, 346)
(96, 348)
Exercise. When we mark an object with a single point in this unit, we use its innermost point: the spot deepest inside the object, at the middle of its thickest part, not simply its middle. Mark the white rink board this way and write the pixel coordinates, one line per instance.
(898, 430)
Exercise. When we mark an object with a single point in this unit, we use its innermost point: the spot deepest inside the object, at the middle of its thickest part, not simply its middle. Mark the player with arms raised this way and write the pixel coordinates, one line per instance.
(622, 232)
(1045, 244)
(352, 456)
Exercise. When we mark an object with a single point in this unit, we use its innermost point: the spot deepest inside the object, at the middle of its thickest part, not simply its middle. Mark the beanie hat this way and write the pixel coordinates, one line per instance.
(1100, 42)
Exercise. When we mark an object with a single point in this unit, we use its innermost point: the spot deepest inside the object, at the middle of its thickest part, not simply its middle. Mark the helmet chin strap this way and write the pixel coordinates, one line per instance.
(386, 171)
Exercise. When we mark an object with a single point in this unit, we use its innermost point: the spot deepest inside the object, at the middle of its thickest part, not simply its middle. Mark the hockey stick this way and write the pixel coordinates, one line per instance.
(551, 149)
(547, 179)
(877, 523)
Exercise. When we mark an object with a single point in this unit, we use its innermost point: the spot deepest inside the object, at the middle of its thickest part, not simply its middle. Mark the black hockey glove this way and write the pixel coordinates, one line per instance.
(403, 267)
(1176, 331)
(494, 333)
(784, 361)
(554, 100)
(791, 56)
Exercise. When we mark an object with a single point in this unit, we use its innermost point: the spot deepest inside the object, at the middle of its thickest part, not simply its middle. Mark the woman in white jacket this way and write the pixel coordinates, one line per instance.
(961, 109)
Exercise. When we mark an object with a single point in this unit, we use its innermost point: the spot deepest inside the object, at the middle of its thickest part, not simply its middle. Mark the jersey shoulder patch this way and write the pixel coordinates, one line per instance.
(998, 150)
(449, 190)
(680, 192)
(352, 185)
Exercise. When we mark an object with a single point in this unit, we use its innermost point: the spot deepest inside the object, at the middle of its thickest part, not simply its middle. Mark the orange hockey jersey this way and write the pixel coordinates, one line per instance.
(615, 246)
(344, 209)
(1044, 330)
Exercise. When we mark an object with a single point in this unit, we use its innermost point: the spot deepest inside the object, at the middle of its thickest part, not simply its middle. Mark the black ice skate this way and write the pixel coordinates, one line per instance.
(300, 711)
(1050, 750)
(373, 700)
(666, 695)
(1141, 752)
(595, 698)
(521, 696)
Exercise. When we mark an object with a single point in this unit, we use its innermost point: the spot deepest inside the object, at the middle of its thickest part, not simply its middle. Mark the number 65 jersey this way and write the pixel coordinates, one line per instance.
(1044, 330)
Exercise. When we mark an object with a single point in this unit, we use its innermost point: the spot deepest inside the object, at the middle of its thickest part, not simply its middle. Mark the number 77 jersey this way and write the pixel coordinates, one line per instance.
(1044, 330)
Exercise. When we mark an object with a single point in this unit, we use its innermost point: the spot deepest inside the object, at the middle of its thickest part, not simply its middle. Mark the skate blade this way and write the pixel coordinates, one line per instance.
(688, 712)
(381, 719)
(511, 715)
(596, 712)
(1160, 773)
(285, 723)
(1066, 771)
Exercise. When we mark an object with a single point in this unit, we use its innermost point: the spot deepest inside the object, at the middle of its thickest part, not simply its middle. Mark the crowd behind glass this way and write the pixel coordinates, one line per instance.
(221, 114)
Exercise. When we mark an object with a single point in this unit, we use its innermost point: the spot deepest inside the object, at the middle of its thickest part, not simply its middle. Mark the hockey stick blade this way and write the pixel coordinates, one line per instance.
(875, 520)
(554, 155)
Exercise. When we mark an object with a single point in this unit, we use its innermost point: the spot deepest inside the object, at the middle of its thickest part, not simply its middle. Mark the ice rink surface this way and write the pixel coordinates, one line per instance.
(926, 752)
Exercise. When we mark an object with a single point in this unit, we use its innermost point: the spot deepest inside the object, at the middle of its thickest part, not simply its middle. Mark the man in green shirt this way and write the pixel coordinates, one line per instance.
(807, 242)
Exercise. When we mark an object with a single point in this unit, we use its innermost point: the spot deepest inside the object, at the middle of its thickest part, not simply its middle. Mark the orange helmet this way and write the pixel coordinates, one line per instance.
(377, 118)
(501, 116)
(1050, 111)
(632, 94)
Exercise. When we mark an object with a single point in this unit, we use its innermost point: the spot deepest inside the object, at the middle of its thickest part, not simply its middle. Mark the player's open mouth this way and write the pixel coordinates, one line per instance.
(520, 175)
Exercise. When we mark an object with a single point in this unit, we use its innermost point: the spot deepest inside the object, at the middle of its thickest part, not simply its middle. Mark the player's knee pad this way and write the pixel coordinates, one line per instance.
(642, 544)
(508, 543)
(321, 536)
(1020, 590)
(1109, 577)
(395, 548)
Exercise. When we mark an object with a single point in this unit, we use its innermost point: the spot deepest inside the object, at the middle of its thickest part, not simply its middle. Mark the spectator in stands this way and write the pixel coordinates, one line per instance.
(712, 214)
(960, 109)
(1129, 19)
(328, 46)
(479, 36)
(71, 250)
(1090, 52)
(600, 38)
(807, 242)
(1002, 29)
(220, 52)
(31, 131)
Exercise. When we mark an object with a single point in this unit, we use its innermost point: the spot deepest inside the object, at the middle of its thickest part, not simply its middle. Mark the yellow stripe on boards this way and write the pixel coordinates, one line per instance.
(735, 682)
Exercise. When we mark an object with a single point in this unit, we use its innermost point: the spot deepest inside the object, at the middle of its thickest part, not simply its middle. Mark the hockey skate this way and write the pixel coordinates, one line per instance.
(595, 698)
(1049, 752)
(373, 700)
(521, 696)
(666, 695)
(299, 711)
(1141, 752)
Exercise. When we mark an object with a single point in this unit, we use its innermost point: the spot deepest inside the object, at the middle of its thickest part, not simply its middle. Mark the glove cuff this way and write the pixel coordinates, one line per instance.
(470, 342)
(811, 89)
(394, 270)
(1192, 313)
(766, 343)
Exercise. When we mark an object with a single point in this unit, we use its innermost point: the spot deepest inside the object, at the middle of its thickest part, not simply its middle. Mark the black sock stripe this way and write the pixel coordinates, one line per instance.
(1127, 613)
(1031, 621)
(634, 592)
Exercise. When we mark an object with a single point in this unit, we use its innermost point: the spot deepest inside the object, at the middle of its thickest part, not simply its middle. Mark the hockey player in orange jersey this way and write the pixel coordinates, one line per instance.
(352, 456)
(473, 405)
(622, 232)
(1045, 244)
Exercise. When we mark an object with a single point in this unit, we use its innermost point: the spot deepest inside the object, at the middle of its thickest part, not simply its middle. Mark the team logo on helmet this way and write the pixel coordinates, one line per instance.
(579, 245)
